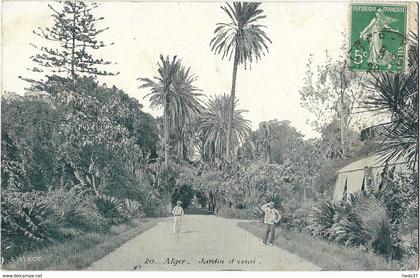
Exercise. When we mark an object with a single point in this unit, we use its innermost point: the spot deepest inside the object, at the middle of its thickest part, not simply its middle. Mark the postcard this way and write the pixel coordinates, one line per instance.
(209, 136)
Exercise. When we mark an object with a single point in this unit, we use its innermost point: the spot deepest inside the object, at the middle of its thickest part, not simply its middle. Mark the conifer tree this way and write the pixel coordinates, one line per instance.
(72, 39)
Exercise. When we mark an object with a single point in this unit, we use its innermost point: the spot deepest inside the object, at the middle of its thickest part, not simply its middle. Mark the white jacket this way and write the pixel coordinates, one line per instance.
(178, 211)
(271, 214)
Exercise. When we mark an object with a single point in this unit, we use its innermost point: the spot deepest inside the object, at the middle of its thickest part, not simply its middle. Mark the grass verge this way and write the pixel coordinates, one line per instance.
(329, 256)
(81, 251)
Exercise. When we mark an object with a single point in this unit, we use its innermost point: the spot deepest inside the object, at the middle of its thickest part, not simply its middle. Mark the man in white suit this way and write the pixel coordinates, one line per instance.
(178, 212)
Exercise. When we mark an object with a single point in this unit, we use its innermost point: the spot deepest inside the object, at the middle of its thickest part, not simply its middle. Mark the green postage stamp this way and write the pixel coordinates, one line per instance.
(378, 36)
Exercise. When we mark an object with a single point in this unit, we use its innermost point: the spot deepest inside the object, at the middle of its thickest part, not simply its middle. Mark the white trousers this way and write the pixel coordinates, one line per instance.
(177, 224)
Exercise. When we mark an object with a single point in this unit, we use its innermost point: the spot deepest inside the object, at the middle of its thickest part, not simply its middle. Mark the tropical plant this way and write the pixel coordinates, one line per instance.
(185, 106)
(261, 182)
(115, 210)
(322, 219)
(360, 221)
(243, 39)
(212, 126)
(173, 90)
(36, 221)
(109, 207)
(277, 141)
(26, 222)
(258, 213)
(397, 95)
(130, 208)
(209, 185)
(71, 222)
(69, 204)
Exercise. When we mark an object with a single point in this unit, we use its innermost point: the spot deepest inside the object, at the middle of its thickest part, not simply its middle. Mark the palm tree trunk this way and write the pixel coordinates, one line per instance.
(232, 103)
(180, 149)
(165, 131)
(95, 189)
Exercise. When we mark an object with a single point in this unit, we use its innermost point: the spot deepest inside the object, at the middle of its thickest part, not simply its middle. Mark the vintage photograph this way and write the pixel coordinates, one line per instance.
(209, 136)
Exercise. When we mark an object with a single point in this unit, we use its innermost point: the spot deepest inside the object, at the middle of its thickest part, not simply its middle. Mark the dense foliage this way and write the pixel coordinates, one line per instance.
(76, 137)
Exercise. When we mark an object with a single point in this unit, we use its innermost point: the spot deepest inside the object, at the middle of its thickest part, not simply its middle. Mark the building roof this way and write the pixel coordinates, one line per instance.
(350, 177)
(374, 161)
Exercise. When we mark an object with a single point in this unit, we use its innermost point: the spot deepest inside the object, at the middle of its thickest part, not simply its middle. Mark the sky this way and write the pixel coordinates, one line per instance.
(141, 31)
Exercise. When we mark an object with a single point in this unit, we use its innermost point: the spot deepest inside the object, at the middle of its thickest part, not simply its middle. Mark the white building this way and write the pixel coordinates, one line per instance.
(363, 173)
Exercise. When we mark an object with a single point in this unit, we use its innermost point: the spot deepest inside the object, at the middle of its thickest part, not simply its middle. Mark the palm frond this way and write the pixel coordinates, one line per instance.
(241, 34)
(397, 94)
(212, 125)
(174, 87)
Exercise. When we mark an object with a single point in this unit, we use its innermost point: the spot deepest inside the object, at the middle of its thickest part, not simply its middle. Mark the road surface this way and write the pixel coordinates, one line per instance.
(205, 243)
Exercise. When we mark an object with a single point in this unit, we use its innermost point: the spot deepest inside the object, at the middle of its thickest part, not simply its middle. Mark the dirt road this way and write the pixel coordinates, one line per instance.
(205, 243)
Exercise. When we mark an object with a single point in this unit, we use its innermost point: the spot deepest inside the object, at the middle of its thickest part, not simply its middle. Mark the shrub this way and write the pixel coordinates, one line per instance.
(361, 221)
(35, 219)
(75, 210)
(376, 226)
(322, 218)
(27, 222)
(130, 209)
(258, 213)
(227, 212)
(399, 193)
(184, 193)
(68, 220)
(110, 208)
(157, 206)
(296, 218)
(328, 255)
(116, 211)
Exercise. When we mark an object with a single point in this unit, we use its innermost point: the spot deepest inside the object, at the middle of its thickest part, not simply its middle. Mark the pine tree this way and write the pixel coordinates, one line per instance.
(75, 35)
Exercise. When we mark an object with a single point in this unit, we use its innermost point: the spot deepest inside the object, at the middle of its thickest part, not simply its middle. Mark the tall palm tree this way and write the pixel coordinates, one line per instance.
(185, 106)
(172, 89)
(212, 127)
(243, 39)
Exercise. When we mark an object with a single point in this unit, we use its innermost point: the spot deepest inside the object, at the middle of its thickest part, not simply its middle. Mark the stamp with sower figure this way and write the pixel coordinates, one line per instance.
(378, 37)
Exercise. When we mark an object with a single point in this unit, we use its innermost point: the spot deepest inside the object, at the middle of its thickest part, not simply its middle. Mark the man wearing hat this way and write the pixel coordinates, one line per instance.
(271, 217)
(178, 212)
